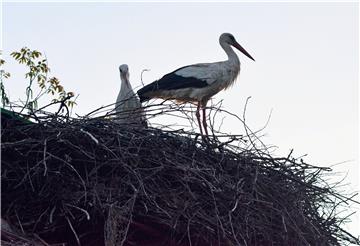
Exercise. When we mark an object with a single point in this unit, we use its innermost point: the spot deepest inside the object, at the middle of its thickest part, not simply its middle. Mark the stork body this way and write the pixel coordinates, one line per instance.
(199, 82)
(128, 107)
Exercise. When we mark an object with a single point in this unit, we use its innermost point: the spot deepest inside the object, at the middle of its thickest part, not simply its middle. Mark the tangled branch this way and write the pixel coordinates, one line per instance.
(83, 176)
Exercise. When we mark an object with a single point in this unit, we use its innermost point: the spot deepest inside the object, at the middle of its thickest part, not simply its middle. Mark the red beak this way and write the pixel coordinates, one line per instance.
(239, 47)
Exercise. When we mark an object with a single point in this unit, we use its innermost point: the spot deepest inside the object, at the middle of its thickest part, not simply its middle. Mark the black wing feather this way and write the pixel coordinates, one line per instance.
(171, 81)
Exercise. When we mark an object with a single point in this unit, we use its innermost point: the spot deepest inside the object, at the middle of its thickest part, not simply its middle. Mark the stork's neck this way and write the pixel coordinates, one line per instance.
(232, 57)
(125, 84)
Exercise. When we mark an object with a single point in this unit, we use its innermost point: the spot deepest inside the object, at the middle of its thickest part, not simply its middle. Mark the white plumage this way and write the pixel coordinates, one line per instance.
(199, 82)
(128, 107)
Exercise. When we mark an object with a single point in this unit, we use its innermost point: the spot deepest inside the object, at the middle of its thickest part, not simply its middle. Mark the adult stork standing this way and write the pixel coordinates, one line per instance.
(199, 82)
(128, 107)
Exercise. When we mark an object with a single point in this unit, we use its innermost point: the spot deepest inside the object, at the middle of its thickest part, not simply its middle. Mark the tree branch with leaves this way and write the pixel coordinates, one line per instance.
(3, 75)
(37, 73)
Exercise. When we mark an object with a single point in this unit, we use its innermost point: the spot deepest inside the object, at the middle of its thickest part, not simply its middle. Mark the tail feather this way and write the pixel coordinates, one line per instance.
(143, 91)
(144, 99)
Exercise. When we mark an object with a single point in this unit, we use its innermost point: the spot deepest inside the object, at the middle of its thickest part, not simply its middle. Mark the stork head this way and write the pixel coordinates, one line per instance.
(124, 72)
(228, 38)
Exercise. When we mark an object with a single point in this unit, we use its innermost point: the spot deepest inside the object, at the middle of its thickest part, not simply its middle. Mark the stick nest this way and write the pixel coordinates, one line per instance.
(92, 179)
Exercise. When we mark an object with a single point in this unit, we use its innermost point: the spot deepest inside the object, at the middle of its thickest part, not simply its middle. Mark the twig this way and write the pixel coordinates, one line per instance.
(73, 230)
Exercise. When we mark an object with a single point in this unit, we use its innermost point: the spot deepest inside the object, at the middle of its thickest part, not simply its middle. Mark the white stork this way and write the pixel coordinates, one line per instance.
(128, 107)
(199, 82)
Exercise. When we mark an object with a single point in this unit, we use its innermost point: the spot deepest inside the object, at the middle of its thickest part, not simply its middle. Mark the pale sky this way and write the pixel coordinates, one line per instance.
(306, 69)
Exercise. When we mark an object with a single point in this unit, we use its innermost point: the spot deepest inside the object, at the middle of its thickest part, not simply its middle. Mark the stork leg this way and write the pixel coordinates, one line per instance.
(198, 119)
(204, 121)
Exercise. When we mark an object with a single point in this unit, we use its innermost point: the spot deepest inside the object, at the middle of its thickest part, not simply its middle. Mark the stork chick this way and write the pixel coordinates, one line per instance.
(128, 107)
(199, 82)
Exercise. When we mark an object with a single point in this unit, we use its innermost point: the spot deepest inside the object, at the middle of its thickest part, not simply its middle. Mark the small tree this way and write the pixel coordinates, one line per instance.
(38, 72)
